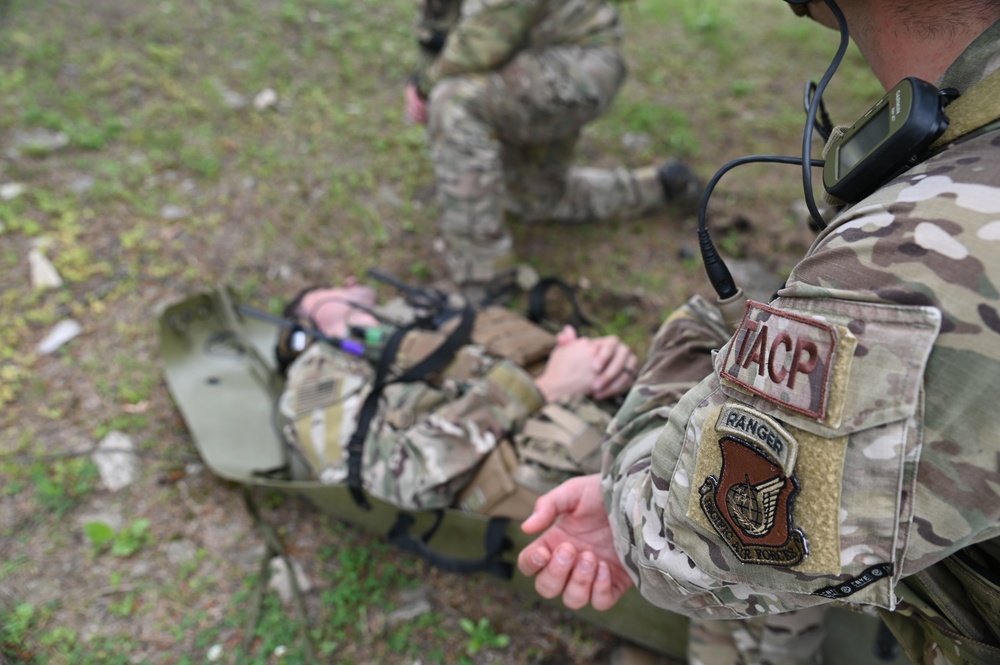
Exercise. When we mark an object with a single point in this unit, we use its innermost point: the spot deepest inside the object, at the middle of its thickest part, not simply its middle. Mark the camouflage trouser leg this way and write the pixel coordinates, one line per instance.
(793, 638)
(505, 139)
(541, 186)
(470, 182)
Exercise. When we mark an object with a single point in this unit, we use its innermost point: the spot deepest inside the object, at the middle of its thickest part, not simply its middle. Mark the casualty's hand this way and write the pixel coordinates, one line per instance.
(615, 365)
(416, 106)
(580, 366)
(575, 556)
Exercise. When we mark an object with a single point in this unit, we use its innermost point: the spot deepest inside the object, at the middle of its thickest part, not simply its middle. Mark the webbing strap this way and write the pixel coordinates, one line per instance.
(536, 302)
(978, 107)
(434, 362)
(495, 543)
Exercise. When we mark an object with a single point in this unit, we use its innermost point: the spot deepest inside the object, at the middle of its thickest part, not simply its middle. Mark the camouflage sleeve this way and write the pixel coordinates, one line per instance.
(845, 437)
(678, 358)
(435, 20)
(423, 462)
(488, 34)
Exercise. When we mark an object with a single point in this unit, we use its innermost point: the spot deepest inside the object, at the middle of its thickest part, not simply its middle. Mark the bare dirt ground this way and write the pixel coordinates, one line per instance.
(153, 150)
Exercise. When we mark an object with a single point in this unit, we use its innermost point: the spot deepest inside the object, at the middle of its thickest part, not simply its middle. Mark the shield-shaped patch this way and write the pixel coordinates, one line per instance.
(750, 505)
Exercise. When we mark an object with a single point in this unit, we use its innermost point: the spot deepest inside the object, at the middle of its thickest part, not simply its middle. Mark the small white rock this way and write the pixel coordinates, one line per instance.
(118, 469)
(281, 582)
(214, 653)
(265, 99)
(11, 191)
(43, 274)
(173, 212)
(61, 333)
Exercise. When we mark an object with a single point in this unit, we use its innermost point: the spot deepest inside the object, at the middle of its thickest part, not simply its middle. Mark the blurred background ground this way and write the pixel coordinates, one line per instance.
(150, 150)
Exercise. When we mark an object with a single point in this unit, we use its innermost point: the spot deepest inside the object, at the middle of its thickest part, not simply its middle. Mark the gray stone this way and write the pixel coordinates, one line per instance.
(39, 142)
(11, 190)
(81, 184)
(412, 603)
(281, 581)
(60, 334)
(387, 196)
(43, 274)
(118, 469)
(181, 552)
(172, 212)
(265, 99)
(757, 281)
(636, 141)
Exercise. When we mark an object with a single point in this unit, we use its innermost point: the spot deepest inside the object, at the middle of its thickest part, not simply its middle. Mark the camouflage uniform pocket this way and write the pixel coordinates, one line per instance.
(318, 411)
(798, 465)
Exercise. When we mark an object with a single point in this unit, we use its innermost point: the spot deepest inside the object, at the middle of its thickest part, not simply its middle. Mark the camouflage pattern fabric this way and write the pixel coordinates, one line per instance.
(793, 638)
(843, 444)
(430, 437)
(509, 94)
(427, 440)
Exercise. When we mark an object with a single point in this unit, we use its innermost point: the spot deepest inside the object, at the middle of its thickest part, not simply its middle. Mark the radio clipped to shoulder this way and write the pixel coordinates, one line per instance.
(887, 139)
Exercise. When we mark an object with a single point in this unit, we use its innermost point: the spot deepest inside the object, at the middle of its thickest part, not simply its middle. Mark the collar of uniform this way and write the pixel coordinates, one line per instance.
(977, 61)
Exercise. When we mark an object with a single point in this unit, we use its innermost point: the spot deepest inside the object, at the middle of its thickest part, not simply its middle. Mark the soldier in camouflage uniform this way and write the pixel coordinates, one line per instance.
(430, 437)
(842, 446)
(505, 88)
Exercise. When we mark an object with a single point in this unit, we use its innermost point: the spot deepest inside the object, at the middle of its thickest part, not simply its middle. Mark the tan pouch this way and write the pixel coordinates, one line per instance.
(509, 335)
(493, 490)
(564, 437)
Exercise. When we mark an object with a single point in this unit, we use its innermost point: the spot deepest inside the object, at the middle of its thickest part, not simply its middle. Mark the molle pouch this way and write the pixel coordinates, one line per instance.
(494, 491)
(507, 334)
(317, 412)
(560, 441)
(799, 460)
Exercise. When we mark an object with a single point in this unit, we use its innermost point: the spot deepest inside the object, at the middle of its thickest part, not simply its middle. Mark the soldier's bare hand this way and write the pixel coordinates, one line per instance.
(416, 106)
(574, 557)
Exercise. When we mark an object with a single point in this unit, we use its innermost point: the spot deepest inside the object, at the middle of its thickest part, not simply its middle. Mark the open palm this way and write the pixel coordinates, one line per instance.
(575, 556)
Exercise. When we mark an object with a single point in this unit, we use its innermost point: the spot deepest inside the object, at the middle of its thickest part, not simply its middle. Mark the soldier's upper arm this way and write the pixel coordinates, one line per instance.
(787, 479)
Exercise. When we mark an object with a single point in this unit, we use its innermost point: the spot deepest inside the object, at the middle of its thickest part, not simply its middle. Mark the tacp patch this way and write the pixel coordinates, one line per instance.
(785, 358)
(750, 503)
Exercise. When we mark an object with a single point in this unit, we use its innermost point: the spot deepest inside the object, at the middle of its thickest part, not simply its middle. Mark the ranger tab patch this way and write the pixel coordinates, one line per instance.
(784, 358)
(750, 503)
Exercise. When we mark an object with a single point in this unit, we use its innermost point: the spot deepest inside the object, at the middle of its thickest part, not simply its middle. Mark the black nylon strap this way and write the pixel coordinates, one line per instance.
(536, 302)
(434, 362)
(495, 543)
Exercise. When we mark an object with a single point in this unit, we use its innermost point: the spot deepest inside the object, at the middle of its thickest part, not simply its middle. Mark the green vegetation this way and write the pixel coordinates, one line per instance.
(125, 542)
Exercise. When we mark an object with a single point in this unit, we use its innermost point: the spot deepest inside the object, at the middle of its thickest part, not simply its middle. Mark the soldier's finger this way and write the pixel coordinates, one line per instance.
(603, 595)
(581, 580)
(563, 498)
(542, 517)
(533, 559)
(551, 580)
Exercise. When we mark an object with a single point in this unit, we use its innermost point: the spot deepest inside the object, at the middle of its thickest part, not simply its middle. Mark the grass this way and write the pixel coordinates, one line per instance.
(113, 112)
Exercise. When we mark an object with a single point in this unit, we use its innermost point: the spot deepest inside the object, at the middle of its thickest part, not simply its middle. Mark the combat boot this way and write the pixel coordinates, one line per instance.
(681, 187)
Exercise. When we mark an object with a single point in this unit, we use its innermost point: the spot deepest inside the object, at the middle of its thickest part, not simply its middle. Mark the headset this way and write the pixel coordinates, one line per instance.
(890, 137)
